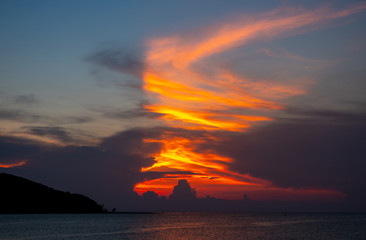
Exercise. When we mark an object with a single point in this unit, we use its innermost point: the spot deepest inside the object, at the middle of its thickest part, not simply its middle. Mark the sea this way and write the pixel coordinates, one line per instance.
(182, 226)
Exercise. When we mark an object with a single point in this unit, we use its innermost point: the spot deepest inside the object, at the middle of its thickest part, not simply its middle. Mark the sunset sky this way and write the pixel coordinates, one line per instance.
(114, 98)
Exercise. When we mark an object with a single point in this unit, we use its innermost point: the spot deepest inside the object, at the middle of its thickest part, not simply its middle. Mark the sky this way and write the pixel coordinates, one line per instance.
(227, 100)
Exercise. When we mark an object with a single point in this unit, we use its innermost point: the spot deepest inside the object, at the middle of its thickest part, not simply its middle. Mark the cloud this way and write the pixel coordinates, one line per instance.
(150, 196)
(118, 60)
(115, 113)
(168, 174)
(24, 116)
(303, 154)
(18, 115)
(295, 156)
(26, 99)
(133, 113)
(59, 133)
(184, 198)
(55, 135)
(183, 192)
(76, 119)
(285, 54)
(192, 92)
(335, 117)
(14, 150)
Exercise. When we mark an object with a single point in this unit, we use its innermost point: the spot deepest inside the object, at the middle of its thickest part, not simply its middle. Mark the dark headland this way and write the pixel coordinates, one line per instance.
(19, 195)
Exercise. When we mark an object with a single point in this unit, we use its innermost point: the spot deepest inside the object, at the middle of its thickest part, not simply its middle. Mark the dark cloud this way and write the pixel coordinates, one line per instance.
(184, 199)
(183, 192)
(13, 150)
(303, 155)
(75, 120)
(138, 111)
(24, 116)
(26, 99)
(59, 133)
(150, 196)
(118, 60)
(338, 117)
(174, 174)
(18, 115)
(132, 113)
(296, 155)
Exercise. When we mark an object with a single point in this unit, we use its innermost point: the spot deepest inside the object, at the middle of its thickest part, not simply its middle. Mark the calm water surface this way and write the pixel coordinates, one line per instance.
(182, 226)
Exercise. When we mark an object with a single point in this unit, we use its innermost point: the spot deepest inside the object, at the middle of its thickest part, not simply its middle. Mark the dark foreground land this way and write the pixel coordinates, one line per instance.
(19, 195)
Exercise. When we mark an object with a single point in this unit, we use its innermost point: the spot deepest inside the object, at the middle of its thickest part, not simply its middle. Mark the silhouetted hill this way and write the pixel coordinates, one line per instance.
(19, 195)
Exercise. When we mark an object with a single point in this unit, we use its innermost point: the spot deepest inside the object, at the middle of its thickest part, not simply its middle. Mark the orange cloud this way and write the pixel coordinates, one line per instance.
(209, 98)
(11, 165)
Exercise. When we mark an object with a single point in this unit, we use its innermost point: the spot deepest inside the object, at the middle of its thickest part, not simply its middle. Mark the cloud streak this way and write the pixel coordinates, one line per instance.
(184, 94)
(192, 92)
(26, 99)
(118, 60)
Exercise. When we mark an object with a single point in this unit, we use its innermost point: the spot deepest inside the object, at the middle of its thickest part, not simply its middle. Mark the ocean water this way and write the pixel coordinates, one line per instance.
(178, 226)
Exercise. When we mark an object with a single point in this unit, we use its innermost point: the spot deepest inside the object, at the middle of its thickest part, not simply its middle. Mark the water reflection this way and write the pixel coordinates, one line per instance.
(182, 226)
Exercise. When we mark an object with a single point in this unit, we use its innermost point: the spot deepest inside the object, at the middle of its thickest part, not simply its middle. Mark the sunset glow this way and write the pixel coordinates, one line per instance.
(192, 92)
